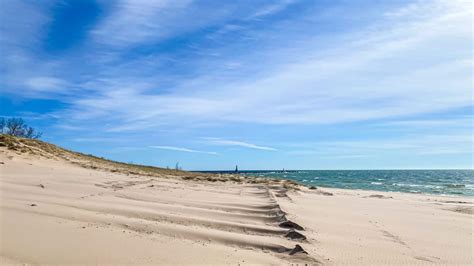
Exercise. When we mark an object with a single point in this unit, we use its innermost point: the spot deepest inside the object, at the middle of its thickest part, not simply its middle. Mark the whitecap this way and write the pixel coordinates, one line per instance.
(406, 185)
(455, 185)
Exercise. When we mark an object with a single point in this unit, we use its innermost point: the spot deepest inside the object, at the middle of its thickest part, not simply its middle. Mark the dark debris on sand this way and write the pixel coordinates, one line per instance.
(298, 249)
(291, 225)
(294, 235)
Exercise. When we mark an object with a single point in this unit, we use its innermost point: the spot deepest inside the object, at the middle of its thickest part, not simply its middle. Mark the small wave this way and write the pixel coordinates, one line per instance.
(376, 183)
(455, 186)
(432, 186)
(406, 185)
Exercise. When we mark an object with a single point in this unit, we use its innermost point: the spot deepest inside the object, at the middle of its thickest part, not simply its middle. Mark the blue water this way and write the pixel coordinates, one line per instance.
(447, 182)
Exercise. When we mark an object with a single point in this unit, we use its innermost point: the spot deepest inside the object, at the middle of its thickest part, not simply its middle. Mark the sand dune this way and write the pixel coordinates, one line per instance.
(56, 210)
(89, 216)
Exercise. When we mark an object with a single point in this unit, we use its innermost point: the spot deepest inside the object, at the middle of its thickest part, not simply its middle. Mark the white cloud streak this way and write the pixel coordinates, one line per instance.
(137, 21)
(46, 84)
(271, 9)
(421, 145)
(223, 142)
(458, 122)
(180, 149)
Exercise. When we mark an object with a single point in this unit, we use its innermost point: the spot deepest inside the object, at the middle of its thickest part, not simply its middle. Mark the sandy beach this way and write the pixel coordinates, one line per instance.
(55, 210)
(282, 132)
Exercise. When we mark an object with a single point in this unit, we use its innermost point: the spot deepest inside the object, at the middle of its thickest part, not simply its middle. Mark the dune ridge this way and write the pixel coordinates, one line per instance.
(80, 189)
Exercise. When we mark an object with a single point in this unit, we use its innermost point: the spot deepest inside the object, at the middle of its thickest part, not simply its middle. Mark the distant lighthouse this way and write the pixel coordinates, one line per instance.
(236, 168)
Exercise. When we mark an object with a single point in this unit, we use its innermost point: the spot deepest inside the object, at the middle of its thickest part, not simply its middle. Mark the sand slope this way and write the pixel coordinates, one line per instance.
(55, 212)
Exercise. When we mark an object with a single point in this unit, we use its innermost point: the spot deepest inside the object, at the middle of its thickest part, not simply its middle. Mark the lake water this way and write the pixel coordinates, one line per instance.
(448, 182)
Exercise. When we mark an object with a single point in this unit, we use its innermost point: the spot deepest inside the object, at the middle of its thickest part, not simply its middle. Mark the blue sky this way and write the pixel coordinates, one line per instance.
(262, 84)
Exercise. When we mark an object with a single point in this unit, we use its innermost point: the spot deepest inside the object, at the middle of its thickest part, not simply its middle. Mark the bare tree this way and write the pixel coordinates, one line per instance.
(17, 127)
(31, 133)
(2, 125)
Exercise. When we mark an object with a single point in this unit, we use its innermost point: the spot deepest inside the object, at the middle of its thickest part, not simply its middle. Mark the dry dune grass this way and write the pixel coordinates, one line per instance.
(49, 151)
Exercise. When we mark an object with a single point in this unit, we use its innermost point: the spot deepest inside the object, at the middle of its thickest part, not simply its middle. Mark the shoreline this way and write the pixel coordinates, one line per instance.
(397, 192)
(363, 189)
(419, 181)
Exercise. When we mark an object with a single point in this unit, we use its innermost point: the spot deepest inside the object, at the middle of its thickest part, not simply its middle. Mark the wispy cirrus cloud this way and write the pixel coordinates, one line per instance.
(271, 8)
(180, 149)
(414, 144)
(448, 123)
(132, 22)
(46, 84)
(317, 88)
(224, 142)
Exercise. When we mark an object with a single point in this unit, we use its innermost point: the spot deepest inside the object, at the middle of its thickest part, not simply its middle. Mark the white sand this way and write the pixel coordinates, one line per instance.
(355, 227)
(85, 216)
